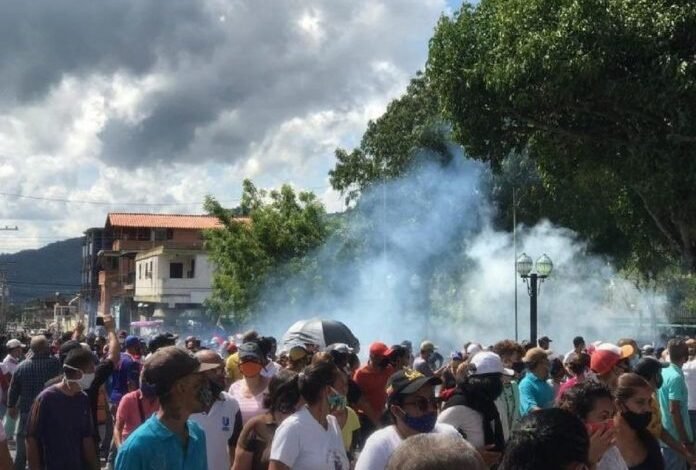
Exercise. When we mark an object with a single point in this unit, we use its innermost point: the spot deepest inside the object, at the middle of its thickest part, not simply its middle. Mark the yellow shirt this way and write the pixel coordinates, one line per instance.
(655, 426)
(352, 425)
(232, 368)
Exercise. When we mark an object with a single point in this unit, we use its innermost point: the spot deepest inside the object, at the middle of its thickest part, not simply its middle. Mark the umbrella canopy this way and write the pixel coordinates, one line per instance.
(321, 333)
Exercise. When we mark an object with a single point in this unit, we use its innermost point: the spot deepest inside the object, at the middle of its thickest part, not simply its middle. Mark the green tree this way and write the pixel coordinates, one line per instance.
(599, 93)
(280, 228)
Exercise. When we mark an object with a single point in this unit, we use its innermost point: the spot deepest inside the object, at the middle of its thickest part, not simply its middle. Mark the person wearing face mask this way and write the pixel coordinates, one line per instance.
(347, 419)
(639, 448)
(593, 403)
(168, 439)
(651, 370)
(412, 407)
(472, 411)
(535, 393)
(372, 380)
(133, 410)
(508, 403)
(222, 424)
(310, 439)
(59, 431)
(249, 391)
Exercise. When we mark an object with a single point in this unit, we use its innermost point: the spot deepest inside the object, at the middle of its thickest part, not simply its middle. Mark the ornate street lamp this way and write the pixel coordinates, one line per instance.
(525, 267)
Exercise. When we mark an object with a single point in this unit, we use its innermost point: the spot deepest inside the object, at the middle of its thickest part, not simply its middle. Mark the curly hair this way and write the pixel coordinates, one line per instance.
(508, 347)
(581, 398)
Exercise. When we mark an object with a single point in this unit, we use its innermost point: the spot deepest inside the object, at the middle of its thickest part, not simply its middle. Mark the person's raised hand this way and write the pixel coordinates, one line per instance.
(109, 323)
(600, 441)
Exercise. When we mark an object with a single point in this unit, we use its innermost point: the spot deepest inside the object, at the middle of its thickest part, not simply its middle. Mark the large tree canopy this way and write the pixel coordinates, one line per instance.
(250, 254)
(600, 93)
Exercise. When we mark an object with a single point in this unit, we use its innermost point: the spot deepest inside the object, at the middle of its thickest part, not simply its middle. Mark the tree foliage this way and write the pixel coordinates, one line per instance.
(279, 229)
(599, 93)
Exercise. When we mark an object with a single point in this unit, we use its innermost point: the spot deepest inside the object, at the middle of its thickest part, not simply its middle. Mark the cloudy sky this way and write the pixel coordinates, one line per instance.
(146, 106)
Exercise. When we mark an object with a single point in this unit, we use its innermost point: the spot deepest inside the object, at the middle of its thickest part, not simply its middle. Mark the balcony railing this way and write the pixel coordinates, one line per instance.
(144, 245)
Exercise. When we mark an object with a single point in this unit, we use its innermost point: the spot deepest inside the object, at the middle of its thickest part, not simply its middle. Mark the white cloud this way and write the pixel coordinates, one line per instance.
(167, 104)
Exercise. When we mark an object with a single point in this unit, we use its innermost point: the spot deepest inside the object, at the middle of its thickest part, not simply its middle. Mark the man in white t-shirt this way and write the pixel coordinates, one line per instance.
(412, 404)
(222, 424)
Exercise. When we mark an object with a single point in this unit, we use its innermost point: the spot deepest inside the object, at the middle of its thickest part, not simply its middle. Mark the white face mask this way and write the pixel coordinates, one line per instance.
(84, 382)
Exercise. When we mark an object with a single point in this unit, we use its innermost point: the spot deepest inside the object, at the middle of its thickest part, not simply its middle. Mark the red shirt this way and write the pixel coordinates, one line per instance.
(373, 385)
(129, 414)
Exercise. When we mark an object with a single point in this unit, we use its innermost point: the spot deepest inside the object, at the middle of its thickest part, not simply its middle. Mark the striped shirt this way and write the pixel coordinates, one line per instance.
(29, 380)
(250, 405)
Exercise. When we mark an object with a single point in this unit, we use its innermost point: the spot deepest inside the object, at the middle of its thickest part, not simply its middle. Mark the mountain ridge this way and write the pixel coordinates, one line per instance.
(41, 272)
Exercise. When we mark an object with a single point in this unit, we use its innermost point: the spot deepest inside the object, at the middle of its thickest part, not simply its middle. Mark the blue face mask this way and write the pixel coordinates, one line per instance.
(422, 424)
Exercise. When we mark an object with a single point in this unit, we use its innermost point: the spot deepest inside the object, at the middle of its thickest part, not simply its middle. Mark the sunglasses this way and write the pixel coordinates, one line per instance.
(423, 404)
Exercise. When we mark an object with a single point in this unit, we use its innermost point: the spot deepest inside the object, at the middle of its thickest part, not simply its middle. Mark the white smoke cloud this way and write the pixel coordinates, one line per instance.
(432, 266)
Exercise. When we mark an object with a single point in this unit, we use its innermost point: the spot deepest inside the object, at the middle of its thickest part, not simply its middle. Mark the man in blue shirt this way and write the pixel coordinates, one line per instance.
(673, 396)
(535, 393)
(168, 440)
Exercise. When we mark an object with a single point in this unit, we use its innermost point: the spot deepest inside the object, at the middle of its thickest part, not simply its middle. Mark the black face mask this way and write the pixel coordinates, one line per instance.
(637, 421)
(518, 367)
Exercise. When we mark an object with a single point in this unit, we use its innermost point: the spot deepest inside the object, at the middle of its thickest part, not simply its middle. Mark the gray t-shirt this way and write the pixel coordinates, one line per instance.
(422, 366)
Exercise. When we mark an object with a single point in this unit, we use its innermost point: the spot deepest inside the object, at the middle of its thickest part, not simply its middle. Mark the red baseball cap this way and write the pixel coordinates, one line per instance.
(379, 349)
(607, 355)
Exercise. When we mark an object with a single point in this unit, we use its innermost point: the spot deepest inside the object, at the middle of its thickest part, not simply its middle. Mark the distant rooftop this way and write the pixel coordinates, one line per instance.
(181, 221)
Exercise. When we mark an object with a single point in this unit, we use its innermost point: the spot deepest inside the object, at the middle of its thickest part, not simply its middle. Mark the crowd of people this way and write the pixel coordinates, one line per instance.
(83, 402)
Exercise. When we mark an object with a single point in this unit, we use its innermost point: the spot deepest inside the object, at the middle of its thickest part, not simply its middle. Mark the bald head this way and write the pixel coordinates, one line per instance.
(208, 356)
(39, 344)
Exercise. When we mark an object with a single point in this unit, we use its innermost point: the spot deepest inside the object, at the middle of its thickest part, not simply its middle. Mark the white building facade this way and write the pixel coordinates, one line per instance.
(169, 279)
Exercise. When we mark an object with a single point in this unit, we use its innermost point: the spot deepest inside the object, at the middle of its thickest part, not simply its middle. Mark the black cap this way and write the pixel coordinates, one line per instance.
(66, 347)
(169, 364)
(161, 340)
(250, 351)
(578, 340)
(649, 367)
(408, 381)
(545, 339)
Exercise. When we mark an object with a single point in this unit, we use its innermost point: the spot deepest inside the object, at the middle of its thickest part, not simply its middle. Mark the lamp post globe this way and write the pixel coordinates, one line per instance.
(544, 266)
(524, 265)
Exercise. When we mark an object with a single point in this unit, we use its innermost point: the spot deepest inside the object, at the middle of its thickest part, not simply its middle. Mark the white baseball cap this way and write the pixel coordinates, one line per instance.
(488, 362)
(14, 343)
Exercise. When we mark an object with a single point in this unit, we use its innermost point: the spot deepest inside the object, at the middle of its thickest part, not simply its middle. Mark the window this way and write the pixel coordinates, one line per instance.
(150, 269)
(159, 234)
(170, 234)
(140, 270)
(192, 272)
(176, 270)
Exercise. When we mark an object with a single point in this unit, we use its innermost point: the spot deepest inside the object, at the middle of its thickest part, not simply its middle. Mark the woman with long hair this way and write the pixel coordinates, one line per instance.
(638, 447)
(254, 444)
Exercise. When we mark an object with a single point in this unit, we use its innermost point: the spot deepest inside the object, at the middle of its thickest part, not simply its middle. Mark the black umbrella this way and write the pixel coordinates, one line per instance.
(321, 333)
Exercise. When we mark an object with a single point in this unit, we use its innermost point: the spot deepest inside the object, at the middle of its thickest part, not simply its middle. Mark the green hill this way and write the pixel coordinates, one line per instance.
(43, 272)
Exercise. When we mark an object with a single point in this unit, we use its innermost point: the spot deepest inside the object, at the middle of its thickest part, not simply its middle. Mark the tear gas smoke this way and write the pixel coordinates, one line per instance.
(419, 258)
